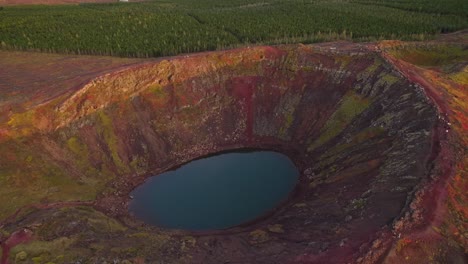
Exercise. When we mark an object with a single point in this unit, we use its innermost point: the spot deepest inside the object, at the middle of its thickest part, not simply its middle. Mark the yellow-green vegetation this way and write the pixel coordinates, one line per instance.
(349, 107)
(364, 135)
(344, 60)
(139, 235)
(300, 205)
(26, 178)
(288, 108)
(157, 91)
(289, 120)
(369, 71)
(21, 256)
(356, 204)
(21, 123)
(187, 242)
(428, 55)
(146, 243)
(258, 236)
(42, 251)
(77, 147)
(90, 176)
(460, 77)
(53, 244)
(106, 129)
(139, 164)
(276, 228)
(389, 79)
(99, 222)
(328, 158)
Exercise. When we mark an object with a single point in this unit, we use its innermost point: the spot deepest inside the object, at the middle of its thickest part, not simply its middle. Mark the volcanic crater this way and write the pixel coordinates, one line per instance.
(363, 137)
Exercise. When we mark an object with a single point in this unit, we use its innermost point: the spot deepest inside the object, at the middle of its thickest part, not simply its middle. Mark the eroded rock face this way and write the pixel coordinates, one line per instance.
(360, 134)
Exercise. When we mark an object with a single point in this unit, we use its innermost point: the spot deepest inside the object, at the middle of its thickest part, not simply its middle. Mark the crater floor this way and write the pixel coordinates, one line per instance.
(379, 138)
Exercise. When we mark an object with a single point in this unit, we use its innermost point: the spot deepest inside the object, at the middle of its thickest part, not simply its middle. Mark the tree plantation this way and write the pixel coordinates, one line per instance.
(162, 28)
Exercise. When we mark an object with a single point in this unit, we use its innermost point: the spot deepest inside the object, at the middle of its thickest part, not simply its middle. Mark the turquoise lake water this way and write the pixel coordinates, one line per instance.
(216, 192)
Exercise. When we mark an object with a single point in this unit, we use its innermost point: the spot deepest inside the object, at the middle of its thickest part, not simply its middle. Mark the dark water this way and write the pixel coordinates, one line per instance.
(216, 192)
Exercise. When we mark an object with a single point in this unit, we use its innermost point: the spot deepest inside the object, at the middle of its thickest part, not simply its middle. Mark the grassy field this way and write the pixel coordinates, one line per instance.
(24, 76)
(161, 28)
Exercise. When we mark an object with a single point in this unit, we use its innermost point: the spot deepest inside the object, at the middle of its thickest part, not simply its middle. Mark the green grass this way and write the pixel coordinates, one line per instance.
(160, 28)
(27, 177)
(41, 251)
(49, 245)
(107, 131)
(432, 55)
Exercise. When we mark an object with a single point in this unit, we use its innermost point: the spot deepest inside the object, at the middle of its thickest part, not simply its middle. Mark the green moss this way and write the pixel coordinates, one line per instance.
(432, 55)
(389, 79)
(370, 70)
(276, 228)
(363, 135)
(27, 177)
(139, 164)
(22, 121)
(77, 147)
(357, 204)
(344, 60)
(139, 235)
(258, 236)
(289, 118)
(158, 91)
(4, 233)
(107, 131)
(190, 113)
(43, 251)
(29, 158)
(287, 108)
(99, 222)
(124, 251)
(350, 106)
(187, 242)
(37, 260)
(96, 247)
(460, 77)
(82, 160)
(21, 256)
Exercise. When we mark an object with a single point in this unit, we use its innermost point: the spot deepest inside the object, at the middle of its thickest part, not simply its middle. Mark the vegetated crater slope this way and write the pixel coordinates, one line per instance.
(363, 137)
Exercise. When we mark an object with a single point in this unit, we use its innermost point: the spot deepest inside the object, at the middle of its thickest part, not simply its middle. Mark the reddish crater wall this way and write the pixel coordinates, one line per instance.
(362, 136)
